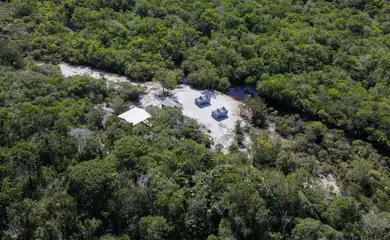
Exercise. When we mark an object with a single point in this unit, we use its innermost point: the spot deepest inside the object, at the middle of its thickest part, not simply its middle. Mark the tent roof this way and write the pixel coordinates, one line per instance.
(135, 115)
(203, 97)
(170, 103)
(220, 110)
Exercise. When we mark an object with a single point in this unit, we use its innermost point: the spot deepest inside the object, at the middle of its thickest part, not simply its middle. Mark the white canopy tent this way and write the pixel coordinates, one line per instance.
(135, 115)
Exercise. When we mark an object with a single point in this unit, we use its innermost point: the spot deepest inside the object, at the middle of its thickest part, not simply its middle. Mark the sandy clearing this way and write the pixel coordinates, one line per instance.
(153, 96)
(221, 132)
(68, 70)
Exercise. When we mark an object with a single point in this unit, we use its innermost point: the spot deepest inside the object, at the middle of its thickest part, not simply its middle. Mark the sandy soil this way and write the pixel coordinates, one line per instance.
(154, 95)
(222, 131)
(68, 70)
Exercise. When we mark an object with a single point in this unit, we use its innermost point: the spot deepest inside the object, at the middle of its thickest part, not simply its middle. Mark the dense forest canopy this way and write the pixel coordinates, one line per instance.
(69, 169)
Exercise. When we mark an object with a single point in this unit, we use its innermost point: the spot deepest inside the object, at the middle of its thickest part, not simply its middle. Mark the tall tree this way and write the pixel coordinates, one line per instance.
(167, 78)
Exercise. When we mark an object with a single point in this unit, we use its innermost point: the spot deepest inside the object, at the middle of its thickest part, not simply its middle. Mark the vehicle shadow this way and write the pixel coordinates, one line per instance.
(220, 119)
(203, 105)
